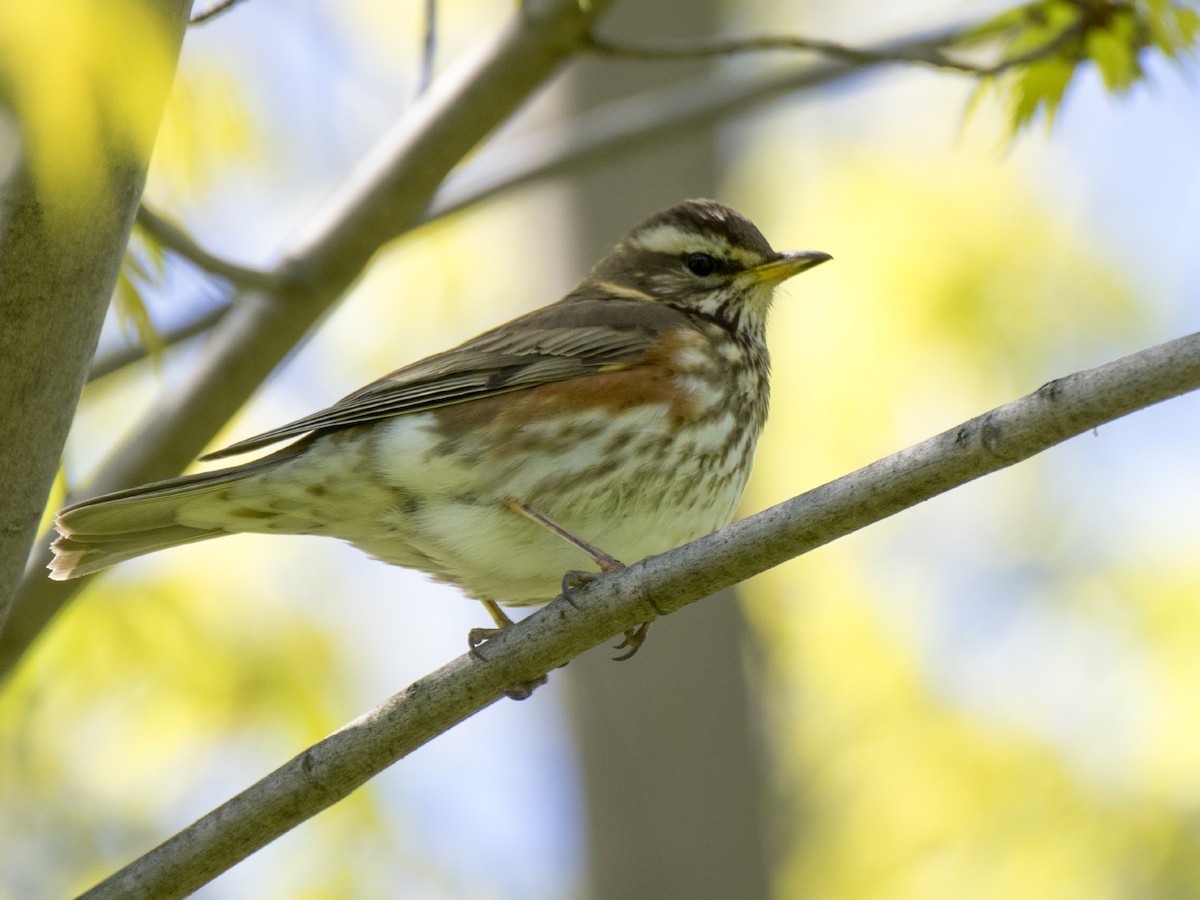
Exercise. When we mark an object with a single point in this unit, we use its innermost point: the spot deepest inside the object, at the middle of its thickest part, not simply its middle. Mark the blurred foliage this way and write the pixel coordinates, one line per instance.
(1046, 44)
(899, 793)
(138, 712)
(66, 75)
(141, 268)
(964, 290)
(901, 776)
(205, 130)
(206, 126)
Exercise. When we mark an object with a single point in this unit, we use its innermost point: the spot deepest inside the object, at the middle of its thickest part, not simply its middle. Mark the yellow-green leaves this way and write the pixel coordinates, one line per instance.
(1047, 43)
(142, 266)
(1171, 27)
(207, 134)
(1114, 50)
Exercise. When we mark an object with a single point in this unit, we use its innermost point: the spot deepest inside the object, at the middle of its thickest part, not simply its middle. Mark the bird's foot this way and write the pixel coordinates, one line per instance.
(634, 638)
(477, 637)
(577, 578)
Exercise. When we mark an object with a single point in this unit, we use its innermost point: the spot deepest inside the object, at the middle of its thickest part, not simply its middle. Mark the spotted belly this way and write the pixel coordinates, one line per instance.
(623, 482)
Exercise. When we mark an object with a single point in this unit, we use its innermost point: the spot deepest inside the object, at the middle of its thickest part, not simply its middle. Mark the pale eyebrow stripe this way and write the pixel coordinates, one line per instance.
(672, 240)
(623, 290)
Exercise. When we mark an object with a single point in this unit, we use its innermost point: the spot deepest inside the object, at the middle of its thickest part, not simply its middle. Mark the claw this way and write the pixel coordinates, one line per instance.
(577, 578)
(476, 637)
(574, 579)
(634, 638)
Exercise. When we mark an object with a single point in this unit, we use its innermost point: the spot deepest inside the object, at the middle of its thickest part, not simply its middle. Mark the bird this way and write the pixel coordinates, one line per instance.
(614, 424)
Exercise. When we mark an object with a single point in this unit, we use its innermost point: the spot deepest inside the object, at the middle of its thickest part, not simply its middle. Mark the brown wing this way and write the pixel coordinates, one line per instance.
(576, 336)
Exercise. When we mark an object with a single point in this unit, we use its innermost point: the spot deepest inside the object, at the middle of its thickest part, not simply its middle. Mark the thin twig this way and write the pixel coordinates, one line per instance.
(213, 11)
(605, 607)
(180, 242)
(667, 114)
(705, 49)
(428, 47)
(930, 54)
(118, 359)
(642, 121)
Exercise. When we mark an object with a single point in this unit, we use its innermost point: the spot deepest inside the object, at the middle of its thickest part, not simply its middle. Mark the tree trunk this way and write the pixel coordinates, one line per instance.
(59, 258)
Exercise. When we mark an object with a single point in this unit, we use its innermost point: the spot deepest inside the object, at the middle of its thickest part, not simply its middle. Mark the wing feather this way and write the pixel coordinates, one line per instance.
(579, 335)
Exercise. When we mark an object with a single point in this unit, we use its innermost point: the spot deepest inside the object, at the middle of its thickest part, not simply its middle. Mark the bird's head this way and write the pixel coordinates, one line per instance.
(703, 258)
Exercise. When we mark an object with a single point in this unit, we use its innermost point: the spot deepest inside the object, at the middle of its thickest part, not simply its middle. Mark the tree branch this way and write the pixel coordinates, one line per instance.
(923, 54)
(115, 360)
(59, 258)
(643, 121)
(600, 610)
(929, 53)
(428, 47)
(183, 244)
(221, 6)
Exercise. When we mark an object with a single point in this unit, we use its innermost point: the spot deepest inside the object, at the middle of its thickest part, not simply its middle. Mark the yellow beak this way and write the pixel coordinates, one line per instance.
(785, 265)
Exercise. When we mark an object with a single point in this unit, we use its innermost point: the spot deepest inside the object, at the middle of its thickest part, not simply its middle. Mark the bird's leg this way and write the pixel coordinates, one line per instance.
(634, 637)
(599, 557)
(477, 636)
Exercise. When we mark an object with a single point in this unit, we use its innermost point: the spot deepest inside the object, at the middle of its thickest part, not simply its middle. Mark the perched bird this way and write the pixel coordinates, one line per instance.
(617, 423)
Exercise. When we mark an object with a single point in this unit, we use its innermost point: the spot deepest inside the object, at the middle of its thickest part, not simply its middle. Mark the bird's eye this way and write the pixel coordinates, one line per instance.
(701, 264)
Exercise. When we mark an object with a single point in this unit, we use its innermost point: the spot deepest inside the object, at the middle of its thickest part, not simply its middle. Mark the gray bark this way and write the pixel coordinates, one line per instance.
(58, 267)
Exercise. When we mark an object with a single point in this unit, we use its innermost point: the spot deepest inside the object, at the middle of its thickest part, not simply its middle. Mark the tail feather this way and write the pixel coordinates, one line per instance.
(105, 530)
(75, 557)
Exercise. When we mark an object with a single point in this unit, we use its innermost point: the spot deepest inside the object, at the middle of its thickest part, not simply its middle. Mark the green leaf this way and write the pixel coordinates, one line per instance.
(142, 265)
(130, 306)
(1043, 43)
(1172, 29)
(1039, 87)
(1115, 53)
(1044, 24)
